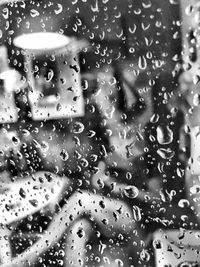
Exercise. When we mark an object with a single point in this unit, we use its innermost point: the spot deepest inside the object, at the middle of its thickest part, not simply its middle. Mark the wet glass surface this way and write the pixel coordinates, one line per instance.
(99, 133)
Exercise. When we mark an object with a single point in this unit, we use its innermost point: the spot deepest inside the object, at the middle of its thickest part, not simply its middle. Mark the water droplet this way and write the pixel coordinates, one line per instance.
(164, 135)
(25, 132)
(149, 56)
(77, 155)
(58, 107)
(84, 162)
(109, 112)
(74, 67)
(132, 30)
(94, 157)
(92, 109)
(196, 100)
(128, 176)
(78, 127)
(91, 133)
(22, 193)
(116, 216)
(166, 153)
(145, 27)
(41, 180)
(100, 183)
(157, 244)
(34, 13)
(195, 189)
(147, 5)
(44, 146)
(137, 11)
(106, 260)
(152, 138)
(119, 262)
(36, 144)
(149, 41)
(5, 13)
(50, 75)
(173, 2)
(102, 204)
(161, 167)
(48, 176)
(131, 50)
(180, 172)
(85, 84)
(61, 262)
(80, 233)
(59, 9)
(196, 79)
(12, 162)
(47, 197)
(139, 136)
(154, 118)
(142, 63)
(95, 8)
(184, 218)
(15, 140)
(137, 213)
(64, 155)
(189, 10)
(183, 203)
(144, 255)
(131, 191)
(33, 202)
(105, 221)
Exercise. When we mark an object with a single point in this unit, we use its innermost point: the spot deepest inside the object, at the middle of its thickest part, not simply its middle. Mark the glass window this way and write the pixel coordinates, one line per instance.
(99, 133)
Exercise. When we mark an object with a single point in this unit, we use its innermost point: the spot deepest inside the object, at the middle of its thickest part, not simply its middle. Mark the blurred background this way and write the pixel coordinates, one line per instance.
(91, 81)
